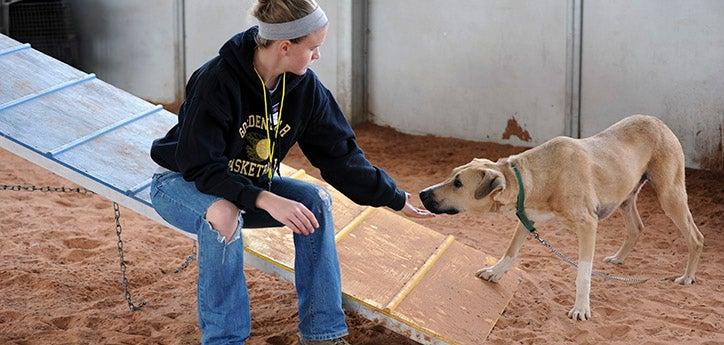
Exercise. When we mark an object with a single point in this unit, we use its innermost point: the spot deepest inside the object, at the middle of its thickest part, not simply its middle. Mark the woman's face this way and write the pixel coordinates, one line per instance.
(300, 55)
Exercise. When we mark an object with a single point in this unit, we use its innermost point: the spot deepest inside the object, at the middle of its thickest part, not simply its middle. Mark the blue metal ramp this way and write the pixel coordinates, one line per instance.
(78, 126)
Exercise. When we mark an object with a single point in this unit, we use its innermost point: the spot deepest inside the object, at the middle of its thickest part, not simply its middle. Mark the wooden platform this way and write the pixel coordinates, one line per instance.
(414, 280)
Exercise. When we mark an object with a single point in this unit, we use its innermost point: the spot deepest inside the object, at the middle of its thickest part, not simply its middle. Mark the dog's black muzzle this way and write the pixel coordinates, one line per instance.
(431, 204)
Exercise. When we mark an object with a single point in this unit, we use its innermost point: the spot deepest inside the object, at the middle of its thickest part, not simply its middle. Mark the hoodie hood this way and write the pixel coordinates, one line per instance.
(238, 54)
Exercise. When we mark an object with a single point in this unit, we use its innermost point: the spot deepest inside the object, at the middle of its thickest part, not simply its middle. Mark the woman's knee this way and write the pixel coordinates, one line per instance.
(223, 216)
(317, 199)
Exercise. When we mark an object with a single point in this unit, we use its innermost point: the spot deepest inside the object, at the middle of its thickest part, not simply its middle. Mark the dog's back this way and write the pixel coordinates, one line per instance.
(610, 165)
(638, 147)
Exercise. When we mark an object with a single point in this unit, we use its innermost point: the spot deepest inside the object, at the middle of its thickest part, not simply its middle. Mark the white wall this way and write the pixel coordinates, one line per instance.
(465, 68)
(457, 68)
(209, 27)
(151, 48)
(663, 60)
(131, 44)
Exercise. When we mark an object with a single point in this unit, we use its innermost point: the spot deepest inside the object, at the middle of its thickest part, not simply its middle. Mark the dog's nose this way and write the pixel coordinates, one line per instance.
(425, 194)
(428, 200)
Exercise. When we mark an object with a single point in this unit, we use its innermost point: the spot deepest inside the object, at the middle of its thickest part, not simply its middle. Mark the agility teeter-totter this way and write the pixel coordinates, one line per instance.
(415, 281)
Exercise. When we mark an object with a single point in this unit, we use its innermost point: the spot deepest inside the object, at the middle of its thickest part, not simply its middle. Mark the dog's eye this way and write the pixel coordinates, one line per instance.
(457, 183)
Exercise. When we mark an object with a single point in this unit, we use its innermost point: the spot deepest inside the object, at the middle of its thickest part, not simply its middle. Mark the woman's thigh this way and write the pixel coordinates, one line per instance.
(181, 204)
(310, 195)
(178, 201)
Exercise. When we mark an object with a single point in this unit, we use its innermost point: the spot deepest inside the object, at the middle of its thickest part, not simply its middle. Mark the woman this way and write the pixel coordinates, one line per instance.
(244, 110)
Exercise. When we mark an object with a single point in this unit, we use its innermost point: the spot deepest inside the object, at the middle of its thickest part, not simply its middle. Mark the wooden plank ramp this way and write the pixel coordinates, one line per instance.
(412, 279)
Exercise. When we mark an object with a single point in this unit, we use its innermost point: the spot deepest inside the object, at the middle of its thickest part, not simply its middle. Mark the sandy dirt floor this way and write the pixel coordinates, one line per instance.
(60, 278)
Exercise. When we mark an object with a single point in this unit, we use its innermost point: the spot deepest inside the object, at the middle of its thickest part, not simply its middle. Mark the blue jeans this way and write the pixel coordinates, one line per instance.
(223, 302)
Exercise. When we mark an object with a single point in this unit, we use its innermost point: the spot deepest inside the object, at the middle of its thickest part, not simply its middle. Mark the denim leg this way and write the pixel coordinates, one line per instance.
(223, 302)
(316, 266)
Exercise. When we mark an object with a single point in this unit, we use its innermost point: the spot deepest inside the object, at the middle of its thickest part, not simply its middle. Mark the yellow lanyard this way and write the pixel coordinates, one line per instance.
(271, 144)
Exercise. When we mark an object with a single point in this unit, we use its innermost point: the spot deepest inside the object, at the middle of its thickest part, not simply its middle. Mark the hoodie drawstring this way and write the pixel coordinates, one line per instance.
(272, 144)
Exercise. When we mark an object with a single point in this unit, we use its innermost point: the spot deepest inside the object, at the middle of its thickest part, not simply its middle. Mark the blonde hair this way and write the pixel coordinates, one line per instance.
(281, 11)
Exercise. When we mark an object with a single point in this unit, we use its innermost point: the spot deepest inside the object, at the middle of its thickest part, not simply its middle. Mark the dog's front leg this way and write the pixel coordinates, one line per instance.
(493, 274)
(586, 244)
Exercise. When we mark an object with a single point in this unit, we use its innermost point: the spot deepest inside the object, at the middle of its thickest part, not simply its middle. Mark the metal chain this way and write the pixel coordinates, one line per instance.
(31, 188)
(188, 259)
(126, 293)
(81, 190)
(573, 263)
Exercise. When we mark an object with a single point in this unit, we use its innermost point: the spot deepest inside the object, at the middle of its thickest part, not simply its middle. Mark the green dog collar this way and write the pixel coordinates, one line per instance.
(520, 206)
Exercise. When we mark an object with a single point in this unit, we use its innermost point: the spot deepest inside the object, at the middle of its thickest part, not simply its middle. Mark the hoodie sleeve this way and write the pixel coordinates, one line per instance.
(200, 151)
(329, 144)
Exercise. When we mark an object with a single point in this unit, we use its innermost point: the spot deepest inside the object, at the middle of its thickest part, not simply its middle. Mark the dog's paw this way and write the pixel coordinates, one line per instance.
(685, 280)
(613, 259)
(490, 274)
(580, 313)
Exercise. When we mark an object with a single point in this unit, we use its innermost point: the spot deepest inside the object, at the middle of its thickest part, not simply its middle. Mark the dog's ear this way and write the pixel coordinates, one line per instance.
(490, 181)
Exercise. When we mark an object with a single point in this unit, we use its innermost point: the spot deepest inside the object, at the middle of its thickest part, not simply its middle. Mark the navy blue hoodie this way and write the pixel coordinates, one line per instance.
(220, 141)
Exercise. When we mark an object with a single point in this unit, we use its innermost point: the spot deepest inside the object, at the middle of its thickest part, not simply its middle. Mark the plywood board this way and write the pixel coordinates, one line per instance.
(379, 256)
(277, 244)
(344, 210)
(454, 304)
(286, 170)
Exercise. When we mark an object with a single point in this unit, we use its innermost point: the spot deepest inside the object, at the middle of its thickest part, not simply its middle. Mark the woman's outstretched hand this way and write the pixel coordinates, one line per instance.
(291, 213)
(413, 212)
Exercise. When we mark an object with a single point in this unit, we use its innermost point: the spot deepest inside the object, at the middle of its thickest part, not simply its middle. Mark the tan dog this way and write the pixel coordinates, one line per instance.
(579, 182)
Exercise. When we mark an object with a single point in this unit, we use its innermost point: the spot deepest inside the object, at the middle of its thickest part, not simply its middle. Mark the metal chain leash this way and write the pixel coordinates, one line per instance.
(126, 293)
(573, 263)
(188, 259)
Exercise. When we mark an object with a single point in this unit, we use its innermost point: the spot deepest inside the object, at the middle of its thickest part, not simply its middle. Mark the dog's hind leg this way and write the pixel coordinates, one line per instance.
(586, 231)
(673, 200)
(494, 273)
(633, 225)
(666, 172)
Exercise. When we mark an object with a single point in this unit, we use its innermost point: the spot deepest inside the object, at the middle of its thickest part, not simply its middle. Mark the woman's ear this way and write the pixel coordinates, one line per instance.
(284, 47)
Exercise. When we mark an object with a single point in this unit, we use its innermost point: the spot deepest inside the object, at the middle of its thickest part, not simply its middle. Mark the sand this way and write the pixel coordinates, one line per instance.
(60, 276)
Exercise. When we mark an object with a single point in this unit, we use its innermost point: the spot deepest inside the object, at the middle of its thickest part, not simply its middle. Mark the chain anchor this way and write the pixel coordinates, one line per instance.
(126, 293)
(31, 188)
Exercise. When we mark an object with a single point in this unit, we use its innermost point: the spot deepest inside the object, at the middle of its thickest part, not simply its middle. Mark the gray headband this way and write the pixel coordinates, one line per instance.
(294, 29)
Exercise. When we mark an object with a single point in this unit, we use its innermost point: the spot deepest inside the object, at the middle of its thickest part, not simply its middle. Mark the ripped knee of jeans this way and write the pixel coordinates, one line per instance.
(236, 235)
(325, 196)
(223, 220)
